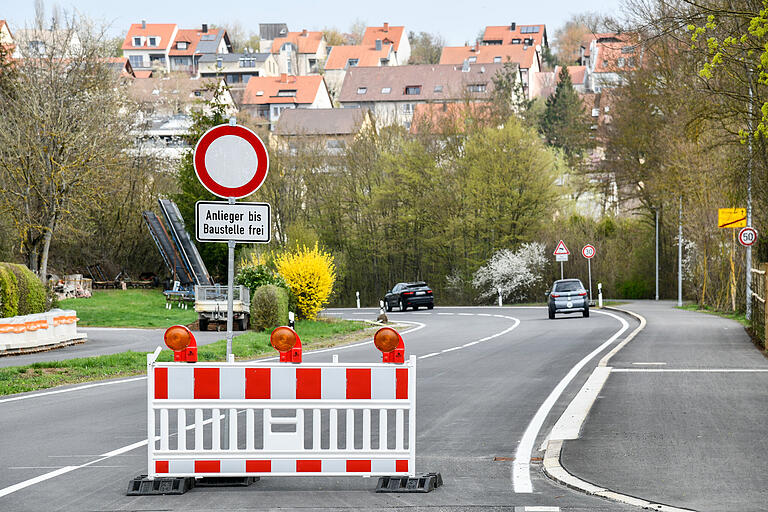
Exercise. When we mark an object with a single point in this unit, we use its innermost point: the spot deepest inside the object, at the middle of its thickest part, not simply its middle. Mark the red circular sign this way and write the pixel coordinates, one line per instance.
(231, 161)
(747, 236)
(588, 251)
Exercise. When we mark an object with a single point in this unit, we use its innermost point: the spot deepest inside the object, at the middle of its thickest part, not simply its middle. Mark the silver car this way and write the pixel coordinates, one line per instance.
(568, 296)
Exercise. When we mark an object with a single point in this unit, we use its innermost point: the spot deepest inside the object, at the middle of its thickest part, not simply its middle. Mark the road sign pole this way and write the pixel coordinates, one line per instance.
(230, 289)
(657, 253)
(680, 255)
(749, 202)
(589, 272)
(561, 270)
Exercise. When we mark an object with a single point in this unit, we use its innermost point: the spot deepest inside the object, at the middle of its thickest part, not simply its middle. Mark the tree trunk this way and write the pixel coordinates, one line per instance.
(42, 275)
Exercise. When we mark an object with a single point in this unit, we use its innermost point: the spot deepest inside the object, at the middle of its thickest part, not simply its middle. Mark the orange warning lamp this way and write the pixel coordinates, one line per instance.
(286, 341)
(391, 345)
(180, 339)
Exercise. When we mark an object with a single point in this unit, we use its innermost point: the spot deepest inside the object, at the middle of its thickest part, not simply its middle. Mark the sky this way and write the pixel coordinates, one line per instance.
(457, 21)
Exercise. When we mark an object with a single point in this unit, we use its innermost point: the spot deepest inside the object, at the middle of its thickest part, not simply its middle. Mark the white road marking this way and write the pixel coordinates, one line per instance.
(542, 509)
(67, 390)
(451, 349)
(470, 343)
(690, 370)
(446, 314)
(32, 481)
(521, 474)
(429, 355)
(465, 314)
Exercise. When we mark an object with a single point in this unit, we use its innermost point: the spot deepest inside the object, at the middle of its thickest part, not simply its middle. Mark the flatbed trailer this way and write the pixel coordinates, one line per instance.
(211, 306)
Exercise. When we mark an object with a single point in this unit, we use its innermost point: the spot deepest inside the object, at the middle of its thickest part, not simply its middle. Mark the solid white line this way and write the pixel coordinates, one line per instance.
(690, 370)
(429, 355)
(569, 424)
(521, 474)
(124, 449)
(471, 343)
(67, 390)
(32, 481)
(451, 349)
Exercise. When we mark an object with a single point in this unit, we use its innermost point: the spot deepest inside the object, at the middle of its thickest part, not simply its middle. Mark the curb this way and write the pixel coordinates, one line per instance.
(555, 471)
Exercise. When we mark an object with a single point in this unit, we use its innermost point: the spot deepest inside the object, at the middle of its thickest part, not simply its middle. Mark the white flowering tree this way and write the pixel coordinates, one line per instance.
(511, 273)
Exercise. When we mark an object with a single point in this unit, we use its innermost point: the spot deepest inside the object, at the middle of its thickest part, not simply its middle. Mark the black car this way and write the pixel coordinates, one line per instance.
(568, 296)
(405, 295)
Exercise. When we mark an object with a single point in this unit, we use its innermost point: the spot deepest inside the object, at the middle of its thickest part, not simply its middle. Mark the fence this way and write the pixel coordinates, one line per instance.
(250, 419)
(759, 311)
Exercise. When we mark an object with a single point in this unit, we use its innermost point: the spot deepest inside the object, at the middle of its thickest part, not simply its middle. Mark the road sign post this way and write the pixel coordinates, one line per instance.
(589, 251)
(561, 254)
(231, 162)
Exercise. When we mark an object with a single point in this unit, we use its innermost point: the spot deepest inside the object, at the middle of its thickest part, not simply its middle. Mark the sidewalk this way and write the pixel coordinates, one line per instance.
(695, 437)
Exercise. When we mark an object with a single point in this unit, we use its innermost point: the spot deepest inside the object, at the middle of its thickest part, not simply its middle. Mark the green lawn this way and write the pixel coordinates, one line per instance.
(19, 379)
(128, 308)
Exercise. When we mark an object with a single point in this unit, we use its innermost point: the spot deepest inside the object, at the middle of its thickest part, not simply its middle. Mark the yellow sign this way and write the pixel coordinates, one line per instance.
(732, 217)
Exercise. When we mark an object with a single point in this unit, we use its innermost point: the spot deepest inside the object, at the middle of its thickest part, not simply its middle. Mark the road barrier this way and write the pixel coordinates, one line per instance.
(41, 330)
(759, 311)
(250, 419)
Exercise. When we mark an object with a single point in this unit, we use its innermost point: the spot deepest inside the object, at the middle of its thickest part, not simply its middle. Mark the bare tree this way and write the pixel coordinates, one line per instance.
(63, 134)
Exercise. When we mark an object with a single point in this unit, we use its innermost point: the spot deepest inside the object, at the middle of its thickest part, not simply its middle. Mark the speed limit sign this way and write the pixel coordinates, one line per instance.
(588, 251)
(747, 236)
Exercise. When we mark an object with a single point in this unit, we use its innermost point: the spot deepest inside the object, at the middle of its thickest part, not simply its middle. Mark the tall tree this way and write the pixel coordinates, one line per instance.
(425, 48)
(565, 124)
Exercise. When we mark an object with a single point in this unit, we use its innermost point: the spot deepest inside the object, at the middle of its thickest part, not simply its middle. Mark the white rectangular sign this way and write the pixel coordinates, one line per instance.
(219, 221)
(561, 257)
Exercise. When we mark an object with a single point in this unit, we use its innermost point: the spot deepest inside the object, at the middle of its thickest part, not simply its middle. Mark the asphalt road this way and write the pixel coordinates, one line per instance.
(77, 450)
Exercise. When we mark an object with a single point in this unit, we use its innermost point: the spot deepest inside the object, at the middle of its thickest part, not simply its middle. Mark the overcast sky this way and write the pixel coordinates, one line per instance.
(456, 21)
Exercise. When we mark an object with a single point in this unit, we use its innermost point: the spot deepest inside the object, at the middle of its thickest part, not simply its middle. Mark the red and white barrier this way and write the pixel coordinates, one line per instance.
(38, 330)
(252, 419)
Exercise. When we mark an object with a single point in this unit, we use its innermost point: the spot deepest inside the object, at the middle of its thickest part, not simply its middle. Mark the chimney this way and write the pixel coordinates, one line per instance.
(304, 33)
(378, 45)
(205, 28)
(477, 46)
(386, 27)
(284, 78)
(144, 24)
(512, 26)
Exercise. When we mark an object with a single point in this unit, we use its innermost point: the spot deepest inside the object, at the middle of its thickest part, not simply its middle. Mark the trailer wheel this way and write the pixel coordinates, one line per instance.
(202, 324)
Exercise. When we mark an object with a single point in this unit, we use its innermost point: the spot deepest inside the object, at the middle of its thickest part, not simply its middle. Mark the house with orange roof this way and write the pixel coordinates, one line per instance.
(300, 53)
(6, 38)
(519, 44)
(609, 56)
(544, 83)
(396, 36)
(266, 97)
(341, 58)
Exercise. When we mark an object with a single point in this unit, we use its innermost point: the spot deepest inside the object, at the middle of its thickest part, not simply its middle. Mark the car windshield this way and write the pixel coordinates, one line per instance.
(568, 286)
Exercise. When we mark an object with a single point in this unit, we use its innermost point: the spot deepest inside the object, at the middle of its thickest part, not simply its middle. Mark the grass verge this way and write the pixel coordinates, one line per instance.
(739, 317)
(127, 308)
(32, 377)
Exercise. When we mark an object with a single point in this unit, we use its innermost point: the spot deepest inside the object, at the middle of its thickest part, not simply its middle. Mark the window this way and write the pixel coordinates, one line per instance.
(198, 93)
(362, 90)
(208, 37)
(407, 108)
(37, 47)
(621, 62)
(413, 90)
(153, 41)
(247, 63)
(472, 59)
(352, 62)
(516, 41)
(137, 41)
(386, 90)
(631, 62)
(312, 64)
(497, 60)
(476, 88)
(289, 67)
(438, 88)
(335, 144)
(286, 92)
(181, 45)
(595, 112)
(286, 47)
(137, 61)
(628, 49)
(219, 63)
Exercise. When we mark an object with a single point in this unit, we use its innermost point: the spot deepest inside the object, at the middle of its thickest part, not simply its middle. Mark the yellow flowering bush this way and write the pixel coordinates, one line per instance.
(310, 274)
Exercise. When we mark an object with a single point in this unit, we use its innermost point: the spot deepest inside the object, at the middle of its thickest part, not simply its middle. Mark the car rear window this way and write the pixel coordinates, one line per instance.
(568, 286)
(417, 285)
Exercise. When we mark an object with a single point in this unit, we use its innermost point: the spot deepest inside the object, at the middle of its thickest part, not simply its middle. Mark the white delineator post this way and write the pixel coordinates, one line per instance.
(600, 295)
(499, 290)
(357, 298)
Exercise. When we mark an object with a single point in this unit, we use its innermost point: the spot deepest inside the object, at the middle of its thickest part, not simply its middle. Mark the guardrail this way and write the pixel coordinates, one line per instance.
(759, 311)
(21, 333)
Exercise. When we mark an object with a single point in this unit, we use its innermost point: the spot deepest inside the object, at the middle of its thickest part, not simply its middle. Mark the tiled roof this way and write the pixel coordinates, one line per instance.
(263, 90)
(191, 37)
(486, 54)
(505, 34)
(578, 74)
(432, 117)
(385, 33)
(162, 30)
(366, 55)
(143, 73)
(320, 121)
(436, 83)
(612, 46)
(305, 41)
(173, 91)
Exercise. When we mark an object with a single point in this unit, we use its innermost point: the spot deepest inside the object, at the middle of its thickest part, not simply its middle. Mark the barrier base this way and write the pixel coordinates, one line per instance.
(226, 481)
(424, 483)
(143, 486)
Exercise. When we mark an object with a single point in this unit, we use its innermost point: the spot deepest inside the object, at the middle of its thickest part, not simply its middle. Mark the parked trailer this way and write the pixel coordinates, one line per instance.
(211, 306)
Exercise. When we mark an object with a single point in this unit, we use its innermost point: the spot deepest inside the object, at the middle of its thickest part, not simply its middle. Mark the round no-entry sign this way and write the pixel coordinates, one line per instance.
(231, 161)
(747, 236)
(588, 251)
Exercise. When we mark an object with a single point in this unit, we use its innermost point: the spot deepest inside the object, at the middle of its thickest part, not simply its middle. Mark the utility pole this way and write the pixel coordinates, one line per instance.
(749, 199)
(680, 255)
(656, 211)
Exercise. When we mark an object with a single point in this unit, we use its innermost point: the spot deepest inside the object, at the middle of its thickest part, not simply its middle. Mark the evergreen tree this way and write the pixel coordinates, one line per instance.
(565, 124)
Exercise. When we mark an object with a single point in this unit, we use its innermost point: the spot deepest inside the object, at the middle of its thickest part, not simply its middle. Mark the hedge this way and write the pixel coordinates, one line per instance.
(25, 295)
(269, 307)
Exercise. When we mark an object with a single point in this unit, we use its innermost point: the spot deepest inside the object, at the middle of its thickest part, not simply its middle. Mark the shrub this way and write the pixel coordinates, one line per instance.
(310, 274)
(255, 276)
(269, 307)
(32, 296)
(9, 292)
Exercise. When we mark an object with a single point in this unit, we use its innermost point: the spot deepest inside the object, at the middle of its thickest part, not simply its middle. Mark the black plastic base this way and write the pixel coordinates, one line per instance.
(143, 486)
(226, 481)
(424, 483)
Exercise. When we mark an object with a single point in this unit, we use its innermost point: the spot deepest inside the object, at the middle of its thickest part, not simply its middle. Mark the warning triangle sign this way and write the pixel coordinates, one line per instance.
(561, 249)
